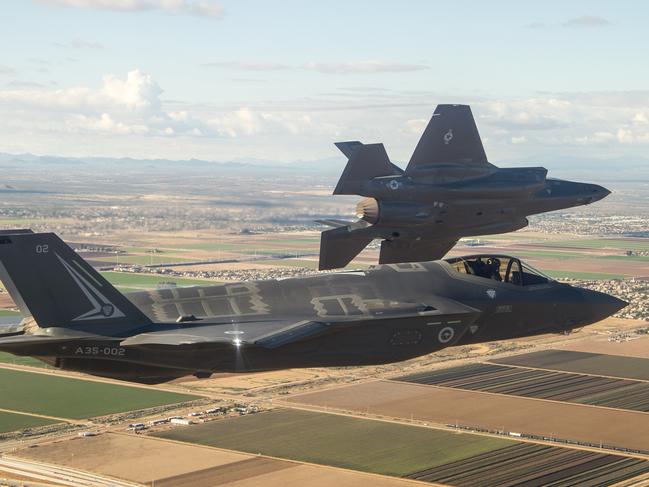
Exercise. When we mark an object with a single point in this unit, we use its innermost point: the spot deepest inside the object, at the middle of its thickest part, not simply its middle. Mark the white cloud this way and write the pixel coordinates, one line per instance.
(199, 8)
(138, 91)
(6, 70)
(248, 122)
(104, 123)
(518, 140)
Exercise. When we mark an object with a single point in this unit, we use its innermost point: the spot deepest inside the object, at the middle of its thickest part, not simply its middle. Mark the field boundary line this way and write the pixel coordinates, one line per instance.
(552, 401)
(298, 462)
(489, 362)
(83, 377)
(430, 424)
(37, 415)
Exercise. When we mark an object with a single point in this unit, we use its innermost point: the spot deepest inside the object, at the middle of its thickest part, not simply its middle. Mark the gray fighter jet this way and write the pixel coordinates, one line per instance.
(74, 319)
(449, 190)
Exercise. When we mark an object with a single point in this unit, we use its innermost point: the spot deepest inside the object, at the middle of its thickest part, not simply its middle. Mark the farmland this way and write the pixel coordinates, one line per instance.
(530, 464)
(413, 452)
(541, 384)
(340, 441)
(13, 421)
(402, 400)
(8, 358)
(147, 281)
(149, 460)
(583, 362)
(75, 398)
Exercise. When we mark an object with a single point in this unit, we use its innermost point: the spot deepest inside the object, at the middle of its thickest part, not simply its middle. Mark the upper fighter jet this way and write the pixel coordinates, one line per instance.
(449, 190)
(74, 319)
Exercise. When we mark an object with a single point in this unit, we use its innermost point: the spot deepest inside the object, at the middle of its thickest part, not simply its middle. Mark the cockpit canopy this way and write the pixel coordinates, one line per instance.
(499, 268)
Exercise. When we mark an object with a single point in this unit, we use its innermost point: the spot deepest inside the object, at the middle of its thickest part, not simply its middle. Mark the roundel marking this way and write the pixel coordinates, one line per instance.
(394, 185)
(446, 334)
(448, 136)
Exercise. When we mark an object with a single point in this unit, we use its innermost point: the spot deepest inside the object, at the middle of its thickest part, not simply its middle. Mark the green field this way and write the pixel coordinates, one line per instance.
(75, 398)
(621, 244)
(359, 444)
(583, 363)
(133, 280)
(8, 358)
(586, 276)
(144, 259)
(309, 264)
(13, 422)
(8, 312)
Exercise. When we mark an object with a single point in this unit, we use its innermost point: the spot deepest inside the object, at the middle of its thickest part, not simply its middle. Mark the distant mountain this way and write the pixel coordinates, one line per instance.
(619, 169)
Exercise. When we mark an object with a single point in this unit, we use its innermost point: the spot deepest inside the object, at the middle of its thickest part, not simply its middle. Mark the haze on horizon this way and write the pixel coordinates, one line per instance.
(226, 79)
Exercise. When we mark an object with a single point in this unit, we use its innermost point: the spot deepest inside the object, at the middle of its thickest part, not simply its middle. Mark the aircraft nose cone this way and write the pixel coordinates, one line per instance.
(602, 305)
(595, 192)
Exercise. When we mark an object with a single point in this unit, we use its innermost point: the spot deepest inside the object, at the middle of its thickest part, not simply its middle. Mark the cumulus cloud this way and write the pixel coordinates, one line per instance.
(356, 67)
(586, 21)
(137, 92)
(248, 122)
(527, 114)
(131, 106)
(202, 8)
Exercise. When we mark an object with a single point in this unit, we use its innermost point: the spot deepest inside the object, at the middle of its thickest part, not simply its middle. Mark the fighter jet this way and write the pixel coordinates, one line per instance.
(74, 319)
(449, 190)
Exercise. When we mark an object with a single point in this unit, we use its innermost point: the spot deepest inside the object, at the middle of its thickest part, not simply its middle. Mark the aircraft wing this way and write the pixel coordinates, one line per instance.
(410, 250)
(266, 334)
(276, 333)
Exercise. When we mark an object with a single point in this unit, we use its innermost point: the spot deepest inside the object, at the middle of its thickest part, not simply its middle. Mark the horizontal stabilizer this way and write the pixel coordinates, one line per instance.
(451, 137)
(410, 250)
(334, 223)
(339, 246)
(14, 231)
(367, 162)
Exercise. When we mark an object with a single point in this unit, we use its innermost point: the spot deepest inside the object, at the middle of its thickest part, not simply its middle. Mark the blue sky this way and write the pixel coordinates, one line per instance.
(284, 80)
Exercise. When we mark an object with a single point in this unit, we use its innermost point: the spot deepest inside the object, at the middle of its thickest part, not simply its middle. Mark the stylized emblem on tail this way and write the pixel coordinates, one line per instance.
(101, 306)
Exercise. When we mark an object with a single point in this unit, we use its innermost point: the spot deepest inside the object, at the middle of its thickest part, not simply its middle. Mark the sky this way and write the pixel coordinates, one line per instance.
(281, 81)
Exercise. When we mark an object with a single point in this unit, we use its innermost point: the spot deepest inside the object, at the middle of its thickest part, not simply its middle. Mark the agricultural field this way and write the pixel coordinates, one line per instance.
(416, 453)
(582, 362)
(14, 421)
(8, 358)
(601, 344)
(471, 409)
(64, 397)
(532, 464)
(148, 460)
(358, 444)
(150, 281)
(8, 312)
(540, 384)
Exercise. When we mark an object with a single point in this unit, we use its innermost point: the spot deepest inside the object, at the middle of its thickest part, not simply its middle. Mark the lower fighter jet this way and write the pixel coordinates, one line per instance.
(74, 319)
(449, 190)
